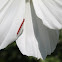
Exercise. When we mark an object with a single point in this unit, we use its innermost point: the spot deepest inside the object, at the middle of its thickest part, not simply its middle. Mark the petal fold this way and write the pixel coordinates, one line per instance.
(45, 36)
(3, 3)
(50, 12)
(36, 39)
(27, 42)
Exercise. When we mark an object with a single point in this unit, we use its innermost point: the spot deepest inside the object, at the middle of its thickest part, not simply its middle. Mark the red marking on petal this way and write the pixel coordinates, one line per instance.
(20, 26)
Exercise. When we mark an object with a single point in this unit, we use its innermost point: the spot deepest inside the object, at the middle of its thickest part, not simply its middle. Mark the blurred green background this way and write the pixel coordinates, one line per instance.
(12, 54)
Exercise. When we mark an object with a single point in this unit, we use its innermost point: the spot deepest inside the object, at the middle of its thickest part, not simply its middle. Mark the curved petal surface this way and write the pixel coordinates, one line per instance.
(36, 39)
(45, 36)
(50, 12)
(27, 42)
(3, 3)
(12, 18)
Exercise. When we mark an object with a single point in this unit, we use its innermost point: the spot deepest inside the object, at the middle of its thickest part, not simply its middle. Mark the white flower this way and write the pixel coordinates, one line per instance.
(34, 36)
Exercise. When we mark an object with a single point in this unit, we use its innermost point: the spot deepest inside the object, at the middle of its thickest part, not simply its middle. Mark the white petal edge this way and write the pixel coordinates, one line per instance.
(11, 23)
(27, 42)
(45, 36)
(50, 13)
(37, 41)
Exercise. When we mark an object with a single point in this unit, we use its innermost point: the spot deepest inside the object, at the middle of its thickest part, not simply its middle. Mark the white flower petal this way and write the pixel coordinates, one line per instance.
(3, 3)
(50, 12)
(4, 8)
(27, 42)
(36, 39)
(45, 36)
(11, 22)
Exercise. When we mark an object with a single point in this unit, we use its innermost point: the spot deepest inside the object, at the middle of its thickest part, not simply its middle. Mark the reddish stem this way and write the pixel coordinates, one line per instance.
(20, 26)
